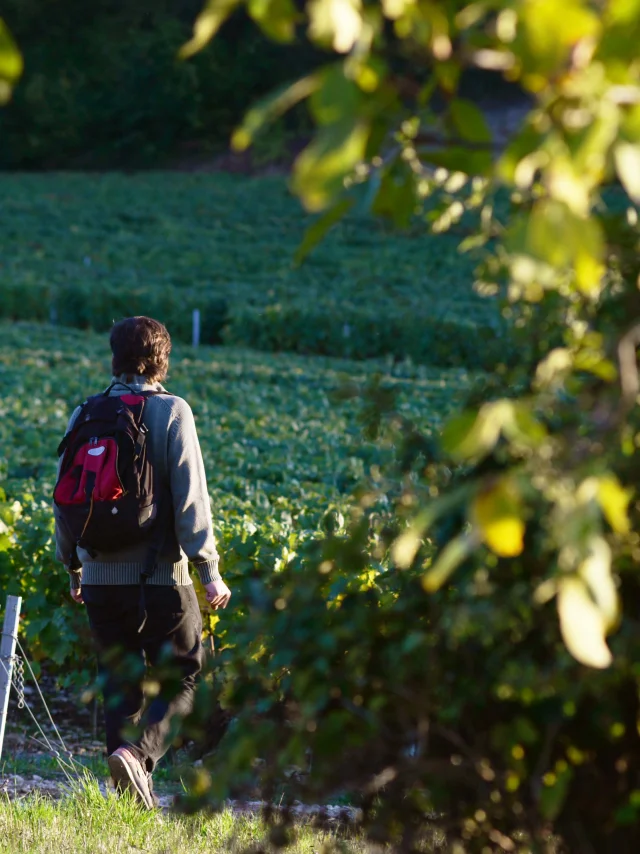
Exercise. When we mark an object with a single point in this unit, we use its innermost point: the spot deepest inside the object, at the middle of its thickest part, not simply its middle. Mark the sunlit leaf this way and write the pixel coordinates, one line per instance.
(582, 623)
(543, 41)
(553, 369)
(394, 9)
(614, 500)
(405, 547)
(337, 23)
(627, 159)
(595, 570)
(473, 435)
(551, 239)
(595, 363)
(320, 170)
(497, 513)
(207, 24)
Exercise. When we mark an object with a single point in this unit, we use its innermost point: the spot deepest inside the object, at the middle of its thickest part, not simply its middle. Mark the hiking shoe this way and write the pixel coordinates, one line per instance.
(128, 774)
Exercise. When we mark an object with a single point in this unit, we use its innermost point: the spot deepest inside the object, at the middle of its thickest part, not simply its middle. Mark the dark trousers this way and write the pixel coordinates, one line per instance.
(167, 655)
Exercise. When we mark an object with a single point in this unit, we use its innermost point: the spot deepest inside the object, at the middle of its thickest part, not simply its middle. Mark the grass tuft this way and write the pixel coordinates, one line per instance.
(85, 821)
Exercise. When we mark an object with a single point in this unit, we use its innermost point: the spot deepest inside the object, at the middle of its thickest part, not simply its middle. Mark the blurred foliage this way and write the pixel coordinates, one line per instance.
(487, 681)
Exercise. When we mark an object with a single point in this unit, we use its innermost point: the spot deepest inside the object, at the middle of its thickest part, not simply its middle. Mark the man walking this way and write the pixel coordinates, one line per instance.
(140, 600)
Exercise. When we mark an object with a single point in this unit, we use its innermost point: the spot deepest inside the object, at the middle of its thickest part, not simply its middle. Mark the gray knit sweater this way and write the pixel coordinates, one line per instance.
(178, 462)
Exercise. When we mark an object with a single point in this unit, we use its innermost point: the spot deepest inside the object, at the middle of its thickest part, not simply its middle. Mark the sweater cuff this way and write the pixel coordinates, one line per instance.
(75, 578)
(208, 570)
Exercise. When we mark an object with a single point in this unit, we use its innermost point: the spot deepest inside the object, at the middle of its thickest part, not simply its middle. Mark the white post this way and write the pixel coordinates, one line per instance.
(7, 651)
(196, 327)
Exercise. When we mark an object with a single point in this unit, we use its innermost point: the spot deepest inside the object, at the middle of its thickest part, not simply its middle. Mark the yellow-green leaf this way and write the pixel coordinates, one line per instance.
(319, 172)
(582, 624)
(207, 24)
(449, 559)
(473, 435)
(277, 18)
(405, 547)
(270, 108)
(627, 160)
(614, 501)
(553, 369)
(10, 63)
(497, 513)
(550, 240)
(543, 41)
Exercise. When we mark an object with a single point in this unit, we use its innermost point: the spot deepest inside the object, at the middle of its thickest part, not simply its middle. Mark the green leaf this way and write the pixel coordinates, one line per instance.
(469, 121)
(555, 789)
(396, 197)
(269, 109)
(207, 24)
(320, 170)
(276, 18)
(337, 97)
(317, 231)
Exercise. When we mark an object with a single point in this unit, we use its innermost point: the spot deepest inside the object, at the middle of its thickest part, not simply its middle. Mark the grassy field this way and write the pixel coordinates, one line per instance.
(281, 452)
(77, 823)
(87, 248)
(274, 435)
(283, 447)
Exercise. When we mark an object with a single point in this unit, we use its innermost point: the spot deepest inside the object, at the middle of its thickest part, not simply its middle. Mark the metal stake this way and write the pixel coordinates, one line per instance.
(7, 652)
(196, 327)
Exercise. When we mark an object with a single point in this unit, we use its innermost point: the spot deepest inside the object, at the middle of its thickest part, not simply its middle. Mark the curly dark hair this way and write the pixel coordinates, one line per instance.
(140, 346)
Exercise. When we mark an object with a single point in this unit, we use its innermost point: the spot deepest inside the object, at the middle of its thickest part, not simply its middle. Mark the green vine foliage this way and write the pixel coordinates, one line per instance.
(464, 654)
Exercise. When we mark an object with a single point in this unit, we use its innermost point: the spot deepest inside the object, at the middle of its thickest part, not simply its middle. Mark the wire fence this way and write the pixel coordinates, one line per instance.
(53, 742)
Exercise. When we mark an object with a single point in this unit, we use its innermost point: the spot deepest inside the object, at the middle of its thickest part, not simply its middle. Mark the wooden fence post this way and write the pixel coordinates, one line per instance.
(7, 651)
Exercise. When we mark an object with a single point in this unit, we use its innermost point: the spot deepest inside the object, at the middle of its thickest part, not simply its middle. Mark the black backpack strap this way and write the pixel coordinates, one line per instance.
(159, 535)
(153, 552)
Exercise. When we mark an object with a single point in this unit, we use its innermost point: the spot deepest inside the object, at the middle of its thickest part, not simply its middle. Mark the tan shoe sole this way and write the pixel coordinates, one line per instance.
(128, 776)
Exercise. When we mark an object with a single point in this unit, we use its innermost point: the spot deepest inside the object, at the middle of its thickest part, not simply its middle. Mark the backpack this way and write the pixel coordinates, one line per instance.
(107, 494)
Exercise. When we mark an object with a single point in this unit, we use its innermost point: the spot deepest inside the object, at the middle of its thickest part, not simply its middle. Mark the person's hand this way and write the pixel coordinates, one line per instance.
(218, 594)
(76, 595)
